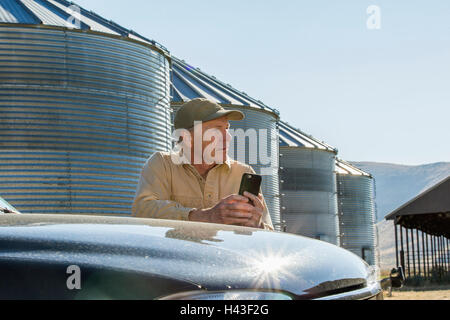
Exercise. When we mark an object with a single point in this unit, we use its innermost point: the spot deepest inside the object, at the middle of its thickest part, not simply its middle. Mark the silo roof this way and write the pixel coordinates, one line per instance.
(343, 167)
(62, 13)
(189, 82)
(294, 137)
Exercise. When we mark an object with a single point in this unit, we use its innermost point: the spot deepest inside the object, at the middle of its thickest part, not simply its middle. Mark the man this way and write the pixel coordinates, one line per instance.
(199, 182)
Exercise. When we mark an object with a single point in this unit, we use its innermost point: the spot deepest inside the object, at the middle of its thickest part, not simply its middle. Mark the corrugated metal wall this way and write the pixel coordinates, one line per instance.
(309, 201)
(357, 215)
(80, 114)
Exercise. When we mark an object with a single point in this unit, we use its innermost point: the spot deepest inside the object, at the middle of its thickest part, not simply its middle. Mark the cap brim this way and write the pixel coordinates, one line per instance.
(230, 114)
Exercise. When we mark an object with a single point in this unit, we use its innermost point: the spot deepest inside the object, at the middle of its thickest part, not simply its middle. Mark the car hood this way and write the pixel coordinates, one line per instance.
(215, 257)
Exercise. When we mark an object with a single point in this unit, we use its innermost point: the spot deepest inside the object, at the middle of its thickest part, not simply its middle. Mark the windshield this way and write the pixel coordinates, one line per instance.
(5, 207)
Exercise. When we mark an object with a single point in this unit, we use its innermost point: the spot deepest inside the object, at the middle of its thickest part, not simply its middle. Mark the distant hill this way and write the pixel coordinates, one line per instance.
(396, 184)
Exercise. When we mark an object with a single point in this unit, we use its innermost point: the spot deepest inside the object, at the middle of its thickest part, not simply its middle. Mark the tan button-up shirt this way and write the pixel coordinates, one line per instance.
(170, 191)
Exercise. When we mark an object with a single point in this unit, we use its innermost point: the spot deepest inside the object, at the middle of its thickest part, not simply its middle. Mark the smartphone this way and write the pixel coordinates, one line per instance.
(251, 183)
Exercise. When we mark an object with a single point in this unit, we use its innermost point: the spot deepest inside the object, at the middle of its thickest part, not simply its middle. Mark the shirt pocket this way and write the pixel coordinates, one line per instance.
(189, 202)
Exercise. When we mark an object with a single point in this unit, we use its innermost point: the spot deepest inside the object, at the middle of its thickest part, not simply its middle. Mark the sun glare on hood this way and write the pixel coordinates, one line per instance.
(270, 267)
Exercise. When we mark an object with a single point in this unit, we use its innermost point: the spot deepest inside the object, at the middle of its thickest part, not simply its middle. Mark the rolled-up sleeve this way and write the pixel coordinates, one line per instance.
(152, 199)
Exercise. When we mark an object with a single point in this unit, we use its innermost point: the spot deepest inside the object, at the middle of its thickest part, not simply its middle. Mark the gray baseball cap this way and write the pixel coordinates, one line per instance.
(201, 109)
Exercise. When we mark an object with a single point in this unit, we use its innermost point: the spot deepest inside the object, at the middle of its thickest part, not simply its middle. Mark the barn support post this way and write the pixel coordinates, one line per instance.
(444, 254)
(396, 245)
(448, 255)
(433, 266)
(441, 260)
(433, 248)
(427, 242)
(407, 252)
(418, 251)
(412, 251)
(441, 255)
(423, 255)
(402, 251)
(444, 262)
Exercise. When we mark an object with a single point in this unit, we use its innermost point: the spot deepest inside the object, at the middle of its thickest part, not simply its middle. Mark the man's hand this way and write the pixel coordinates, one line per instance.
(258, 210)
(234, 209)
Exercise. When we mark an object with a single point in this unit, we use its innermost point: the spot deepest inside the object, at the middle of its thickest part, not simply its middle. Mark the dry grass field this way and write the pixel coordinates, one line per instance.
(419, 294)
(426, 292)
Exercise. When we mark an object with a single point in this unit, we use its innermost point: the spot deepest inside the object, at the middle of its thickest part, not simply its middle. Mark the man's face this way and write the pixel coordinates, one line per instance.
(217, 132)
(215, 140)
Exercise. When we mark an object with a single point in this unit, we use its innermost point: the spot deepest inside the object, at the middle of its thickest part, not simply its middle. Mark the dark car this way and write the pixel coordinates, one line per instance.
(90, 257)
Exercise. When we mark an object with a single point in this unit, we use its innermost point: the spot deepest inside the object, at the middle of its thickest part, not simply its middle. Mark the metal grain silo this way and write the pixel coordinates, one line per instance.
(189, 83)
(308, 185)
(357, 214)
(83, 104)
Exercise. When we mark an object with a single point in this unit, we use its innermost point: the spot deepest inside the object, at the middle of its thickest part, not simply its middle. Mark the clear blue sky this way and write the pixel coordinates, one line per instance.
(377, 95)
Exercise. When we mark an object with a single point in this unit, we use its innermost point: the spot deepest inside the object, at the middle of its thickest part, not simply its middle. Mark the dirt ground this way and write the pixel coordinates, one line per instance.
(418, 295)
